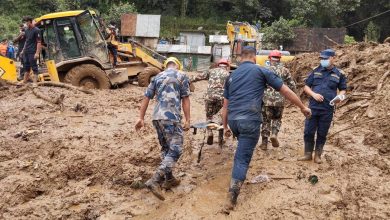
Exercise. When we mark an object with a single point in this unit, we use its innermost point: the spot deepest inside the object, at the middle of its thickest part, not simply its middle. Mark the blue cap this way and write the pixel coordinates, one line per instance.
(325, 54)
(249, 49)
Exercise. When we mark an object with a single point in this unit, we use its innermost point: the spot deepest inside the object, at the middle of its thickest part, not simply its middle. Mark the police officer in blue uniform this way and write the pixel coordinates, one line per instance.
(322, 86)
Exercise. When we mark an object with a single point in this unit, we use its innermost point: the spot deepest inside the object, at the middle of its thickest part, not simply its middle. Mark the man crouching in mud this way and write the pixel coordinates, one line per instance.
(171, 89)
(242, 111)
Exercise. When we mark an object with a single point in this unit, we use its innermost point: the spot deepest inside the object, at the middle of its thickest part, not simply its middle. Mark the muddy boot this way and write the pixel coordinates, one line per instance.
(170, 183)
(308, 152)
(234, 191)
(264, 143)
(153, 184)
(306, 157)
(317, 154)
(210, 137)
(274, 140)
(317, 157)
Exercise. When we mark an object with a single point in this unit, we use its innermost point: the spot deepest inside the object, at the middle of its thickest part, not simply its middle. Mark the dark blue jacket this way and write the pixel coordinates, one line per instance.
(325, 82)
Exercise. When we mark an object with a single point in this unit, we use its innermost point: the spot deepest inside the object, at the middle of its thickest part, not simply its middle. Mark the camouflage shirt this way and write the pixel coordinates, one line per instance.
(169, 87)
(216, 78)
(273, 97)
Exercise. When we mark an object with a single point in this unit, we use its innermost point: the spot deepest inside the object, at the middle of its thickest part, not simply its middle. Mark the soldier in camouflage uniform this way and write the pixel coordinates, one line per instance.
(214, 96)
(273, 102)
(171, 89)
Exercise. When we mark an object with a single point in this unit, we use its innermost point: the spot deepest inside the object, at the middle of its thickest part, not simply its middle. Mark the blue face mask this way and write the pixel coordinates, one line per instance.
(325, 63)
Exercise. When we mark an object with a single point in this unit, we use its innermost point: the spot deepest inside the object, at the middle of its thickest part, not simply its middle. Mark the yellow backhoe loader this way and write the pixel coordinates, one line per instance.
(241, 34)
(75, 52)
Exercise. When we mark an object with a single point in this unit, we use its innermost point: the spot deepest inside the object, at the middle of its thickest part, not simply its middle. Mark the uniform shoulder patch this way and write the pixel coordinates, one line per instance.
(335, 75)
(317, 73)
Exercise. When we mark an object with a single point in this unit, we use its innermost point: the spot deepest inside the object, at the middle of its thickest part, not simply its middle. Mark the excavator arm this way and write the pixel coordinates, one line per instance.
(133, 50)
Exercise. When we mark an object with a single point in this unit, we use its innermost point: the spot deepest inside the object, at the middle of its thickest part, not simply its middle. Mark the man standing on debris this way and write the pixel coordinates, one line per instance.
(112, 45)
(322, 85)
(171, 89)
(31, 49)
(214, 96)
(273, 102)
(242, 111)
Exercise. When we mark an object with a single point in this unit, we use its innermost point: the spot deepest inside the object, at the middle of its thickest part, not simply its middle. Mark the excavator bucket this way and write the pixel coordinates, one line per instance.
(7, 69)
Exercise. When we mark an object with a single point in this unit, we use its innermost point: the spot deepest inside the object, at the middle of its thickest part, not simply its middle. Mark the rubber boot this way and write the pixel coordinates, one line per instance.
(210, 137)
(170, 181)
(317, 154)
(274, 141)
(153, 184)
(264, 143)
(306, 157)
(317, 157)
(308, 152)
(234, 191)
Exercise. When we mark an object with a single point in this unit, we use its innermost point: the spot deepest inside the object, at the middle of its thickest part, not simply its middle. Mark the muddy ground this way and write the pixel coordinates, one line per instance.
(87, 162)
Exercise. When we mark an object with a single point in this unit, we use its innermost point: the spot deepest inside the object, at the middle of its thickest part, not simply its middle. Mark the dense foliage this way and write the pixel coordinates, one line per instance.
(211, 15)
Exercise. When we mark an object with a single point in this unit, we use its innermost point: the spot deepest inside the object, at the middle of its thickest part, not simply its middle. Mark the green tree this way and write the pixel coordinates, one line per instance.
(372, 32)
(349, 40)
(115, 12)
(8, 28)
(369, 8)
(320, 13)
(279, 33)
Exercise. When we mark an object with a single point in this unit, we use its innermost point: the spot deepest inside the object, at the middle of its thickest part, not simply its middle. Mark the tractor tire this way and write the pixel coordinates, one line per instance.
(145, 76)
(88, 76)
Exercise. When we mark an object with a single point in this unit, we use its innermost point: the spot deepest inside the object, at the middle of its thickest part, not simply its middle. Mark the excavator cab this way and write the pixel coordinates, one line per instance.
(69, 37)
(241, 34)
(237, 46)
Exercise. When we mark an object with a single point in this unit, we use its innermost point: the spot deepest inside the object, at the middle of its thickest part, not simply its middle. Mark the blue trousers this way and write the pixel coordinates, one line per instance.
(319, 124)
(247, 133)
(29, 62)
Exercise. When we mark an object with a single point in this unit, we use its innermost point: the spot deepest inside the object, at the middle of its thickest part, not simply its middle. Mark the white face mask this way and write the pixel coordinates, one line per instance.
(25, 26)
(325, 63)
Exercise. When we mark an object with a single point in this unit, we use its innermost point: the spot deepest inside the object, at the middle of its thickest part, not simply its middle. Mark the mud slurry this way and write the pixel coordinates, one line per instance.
(83, 162)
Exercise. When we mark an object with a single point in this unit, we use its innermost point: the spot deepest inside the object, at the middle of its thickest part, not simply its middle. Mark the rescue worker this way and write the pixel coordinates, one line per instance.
(31, 49)
(321, 85)
(242, 110)
(3, 47)
(112, 45)
(214, 96)
(171, 89)
(273, 102)
(11, 50)
(20, 39)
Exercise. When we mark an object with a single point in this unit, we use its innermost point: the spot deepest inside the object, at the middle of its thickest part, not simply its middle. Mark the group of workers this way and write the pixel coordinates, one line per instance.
(7, 49)
(249, 97)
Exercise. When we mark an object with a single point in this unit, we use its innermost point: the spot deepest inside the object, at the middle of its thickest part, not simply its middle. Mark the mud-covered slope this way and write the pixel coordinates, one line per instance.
(87, 162)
